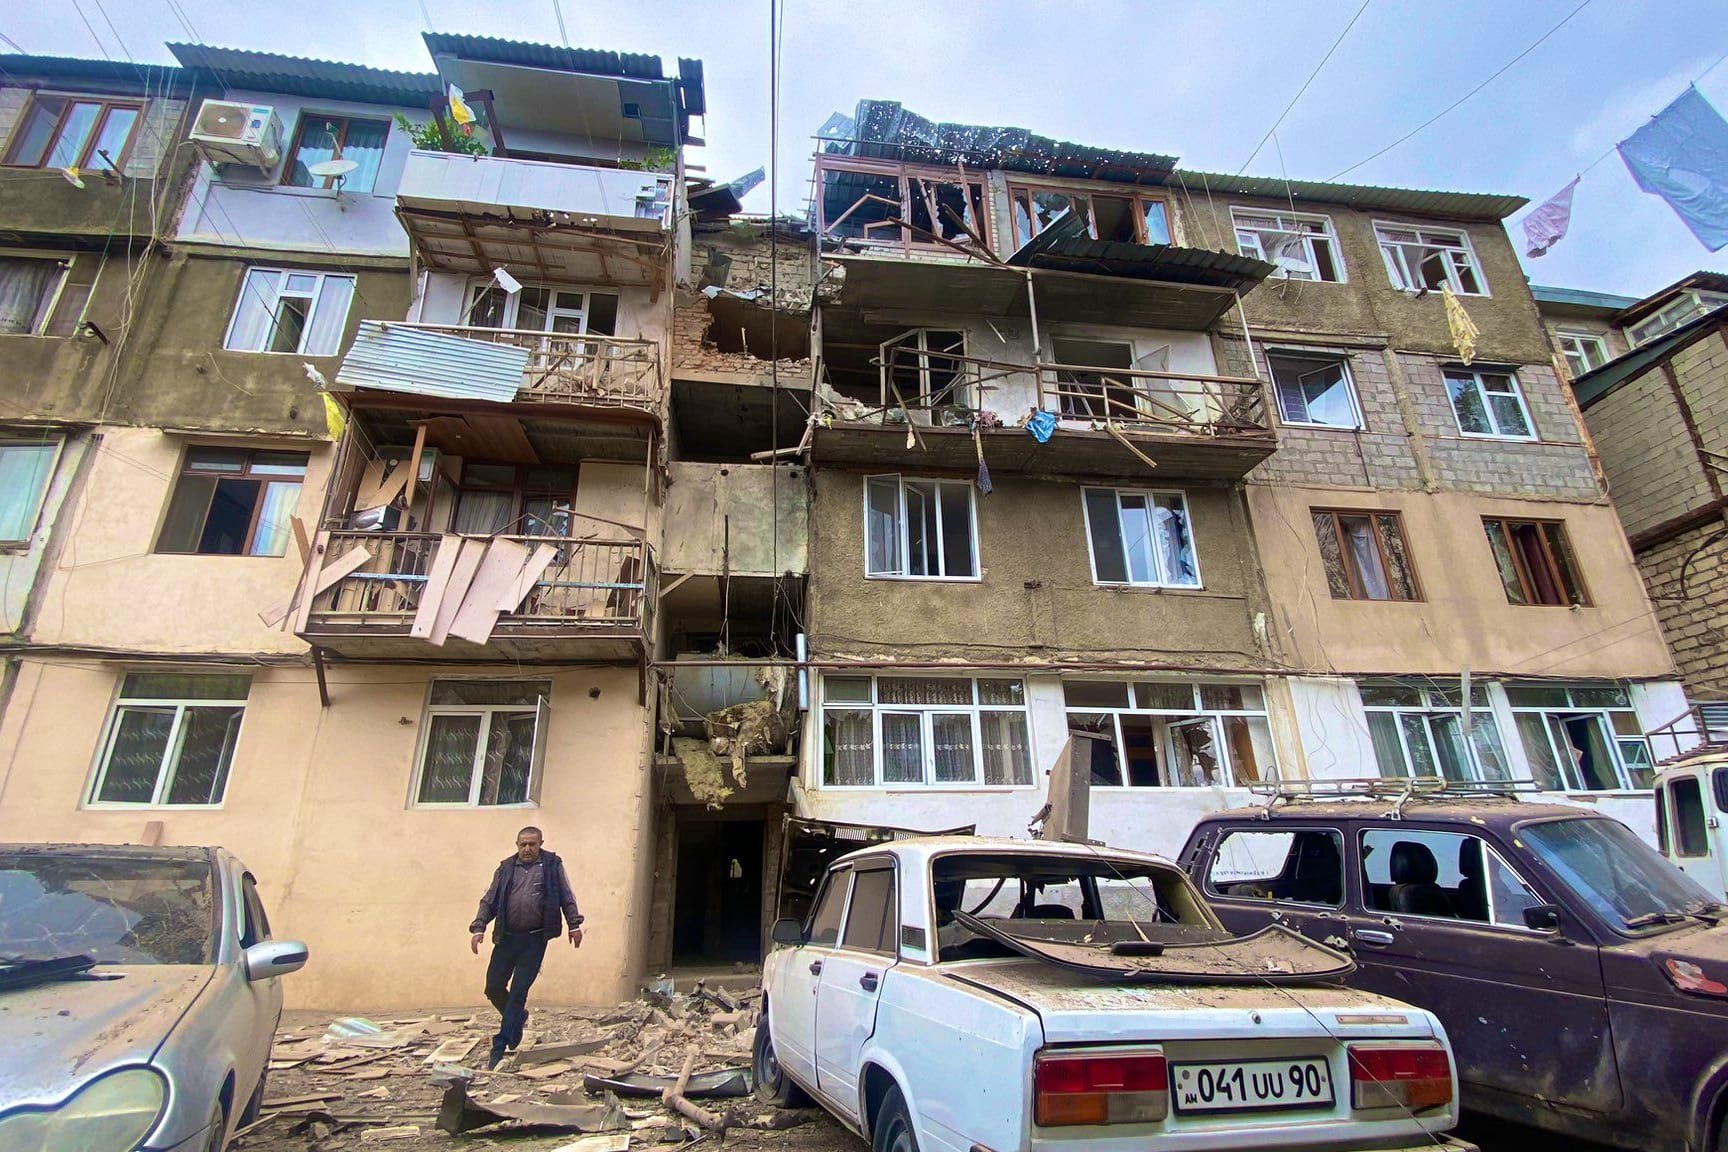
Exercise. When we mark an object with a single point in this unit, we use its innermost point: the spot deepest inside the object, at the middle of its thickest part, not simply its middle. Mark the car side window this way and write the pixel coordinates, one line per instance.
(1443, 875)
(1686, 801)
(872, 924)
(1304, 866)
(257, 925)
(825, 920)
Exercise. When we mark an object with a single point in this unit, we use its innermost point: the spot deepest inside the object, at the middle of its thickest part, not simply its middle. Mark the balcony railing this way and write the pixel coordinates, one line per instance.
(595, 371)
(590, 585)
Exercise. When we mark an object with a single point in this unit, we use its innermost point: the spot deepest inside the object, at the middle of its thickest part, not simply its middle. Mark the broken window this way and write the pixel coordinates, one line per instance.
(533, 500)
(293, 312)
(1087, 389)
(951, 209)
(30, 287)
(919, 529)
(882, 202)
(1428, 259)
(1489, 404)
(483, 742)
(1140, 538)
(1581, 737)
(170, 739)
(925, 369)
(1365, 555)
(1315, 390)
(1583, 351)
(1305, 867)
(1174, 734)
(1130, 219)
(233, 502)
(1302, 247)
(1688, 306)
(1418, 730)
(939, 731)
(1535, 561)
(25, 469)
(542, 308)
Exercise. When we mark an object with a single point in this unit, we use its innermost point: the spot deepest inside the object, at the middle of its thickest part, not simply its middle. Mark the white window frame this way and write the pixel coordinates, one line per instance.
(1576, 345)
(1163, 580)
(479, 285)
(1604, 715)
(926, 734)
(1397, 272)
(1435, 705)
(1482, 395)
(1249, 237)
(278, 293)
(1343, 361)
(35, 516)
(170, 764)
(51, 299)
(1681, 310)
(541, 710)
(902, 524)
(1214, 717)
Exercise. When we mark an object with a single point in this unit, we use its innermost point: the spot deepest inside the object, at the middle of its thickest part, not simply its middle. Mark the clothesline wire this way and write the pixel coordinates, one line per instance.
(1304, 87)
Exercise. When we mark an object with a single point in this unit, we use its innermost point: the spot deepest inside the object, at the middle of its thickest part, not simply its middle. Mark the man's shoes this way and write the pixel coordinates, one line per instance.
(512, 1045)
(493, 1060)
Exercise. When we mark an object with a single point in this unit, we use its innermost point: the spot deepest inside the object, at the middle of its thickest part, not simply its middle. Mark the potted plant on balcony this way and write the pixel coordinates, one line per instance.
(464, 140)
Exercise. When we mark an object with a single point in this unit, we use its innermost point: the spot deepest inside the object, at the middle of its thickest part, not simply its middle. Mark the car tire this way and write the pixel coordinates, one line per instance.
(891, 1130)
(773, 1086)
(255, 1102)
(218, 1128)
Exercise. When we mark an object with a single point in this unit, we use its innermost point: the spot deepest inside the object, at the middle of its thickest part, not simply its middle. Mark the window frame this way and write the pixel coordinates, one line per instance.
(1526, 581)
(926, 713)
(892, 916)
(1352, 571)
(903, 524)
(1681, 310)
(1447, 372)
(1136, 196)
(1488, 850)
(1157, 558)
(326, 183)
(1212, 892)
(1583, 340)
(105, 107)
(273, 306)
(1319, 360)
(1328, 234)
(1433, 704)
(929, 363)
(264, 479)
(1466, 246)
(541, 710)
(50, 304)
(1213, 716)
(478, 286)
(172, 748)
(903, 236)
(34, 519)
(1551, 714)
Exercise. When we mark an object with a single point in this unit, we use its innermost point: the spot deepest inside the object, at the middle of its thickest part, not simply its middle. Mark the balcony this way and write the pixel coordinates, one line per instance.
(567, 222)
(417, 594)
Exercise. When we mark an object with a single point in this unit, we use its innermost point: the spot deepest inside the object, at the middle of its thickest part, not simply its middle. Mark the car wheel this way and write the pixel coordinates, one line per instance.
(218, 1129)
(891, 1131)
(773, 1086)
(254, 1104)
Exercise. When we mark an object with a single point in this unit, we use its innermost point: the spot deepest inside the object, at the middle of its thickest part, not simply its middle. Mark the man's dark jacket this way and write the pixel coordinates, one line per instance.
(556, 895)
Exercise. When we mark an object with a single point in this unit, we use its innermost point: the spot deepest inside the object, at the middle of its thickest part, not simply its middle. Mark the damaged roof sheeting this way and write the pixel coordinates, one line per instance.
(1065, 246)
(396, 358)
(1459, 205)
(884, 129)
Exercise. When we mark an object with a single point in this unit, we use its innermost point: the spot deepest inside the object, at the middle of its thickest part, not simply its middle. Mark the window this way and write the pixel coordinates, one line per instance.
(1140, 538)
(1305, 866)
(1418, 730)
(881, 202)
(1690, 836)
(1427, 259)
(25, 469)
(1365, 555)
(1303, 247)
(919, 529)
(917, 731)
(1684, 308)
(1170, 734)
(233, 502)
(1315, 390)
(1583, 351)
(295, 312)
(1132, 219)
(1489, 404)
(539, 308)
(29, 288)
(1535, 562)
(825, 919)
(1581, 737)
(873, 922)
(1445, 875)
(170, 739)
(484, 742)
(530, 500)
(924, 371)
(69, 132)
(320, 138)
(256, 927)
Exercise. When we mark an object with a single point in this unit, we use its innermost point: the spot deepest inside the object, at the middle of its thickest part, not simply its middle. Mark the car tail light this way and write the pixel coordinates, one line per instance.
(1688, 977)
(1099, 1088)
(1396, 1076)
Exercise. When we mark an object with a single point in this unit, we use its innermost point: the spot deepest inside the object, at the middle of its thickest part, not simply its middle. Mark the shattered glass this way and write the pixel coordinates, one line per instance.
(116, 910)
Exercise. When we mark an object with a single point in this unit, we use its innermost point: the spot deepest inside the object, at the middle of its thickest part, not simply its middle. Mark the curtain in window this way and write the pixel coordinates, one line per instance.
(955, 753)
(848, 752)
(509, 759)
(1360, 539)
(448, 767)
(1388, 749)
(1533, 731)
(480, 513)
(207, 737)
(254, 314)
(330, 317)
(24, 288)
(902, 748)
(365, 146)
(1007, 756)
(271, 537)
(24, 472)
(1175, 545)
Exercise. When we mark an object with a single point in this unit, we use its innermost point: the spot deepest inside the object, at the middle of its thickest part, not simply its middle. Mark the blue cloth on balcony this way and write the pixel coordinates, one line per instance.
(1681, 155)
(1042, 425)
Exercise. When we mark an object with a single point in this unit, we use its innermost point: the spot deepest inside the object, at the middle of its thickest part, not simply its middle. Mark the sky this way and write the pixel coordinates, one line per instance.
(1199, 79)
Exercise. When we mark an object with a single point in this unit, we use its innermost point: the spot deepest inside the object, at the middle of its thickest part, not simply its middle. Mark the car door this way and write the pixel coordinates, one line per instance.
(792, 1012)
(1438, 920)
(851, 982)
(262, 999)
(1689, 827)
(1264, 873)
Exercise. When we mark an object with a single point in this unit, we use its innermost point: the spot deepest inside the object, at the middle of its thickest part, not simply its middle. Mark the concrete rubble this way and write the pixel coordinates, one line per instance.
(665, 1071)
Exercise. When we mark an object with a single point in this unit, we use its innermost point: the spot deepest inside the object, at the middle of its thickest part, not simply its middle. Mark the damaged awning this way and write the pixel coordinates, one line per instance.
(396, 358)
(1066, 246)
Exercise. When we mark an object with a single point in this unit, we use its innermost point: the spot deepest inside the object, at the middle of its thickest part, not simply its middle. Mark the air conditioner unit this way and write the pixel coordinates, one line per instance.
(229, 133)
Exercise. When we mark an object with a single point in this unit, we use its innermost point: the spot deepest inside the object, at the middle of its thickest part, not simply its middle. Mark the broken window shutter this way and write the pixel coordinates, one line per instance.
(74, 295)
(537, 768)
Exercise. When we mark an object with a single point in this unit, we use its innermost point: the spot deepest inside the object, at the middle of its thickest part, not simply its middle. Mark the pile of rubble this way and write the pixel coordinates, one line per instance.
(666, 1070)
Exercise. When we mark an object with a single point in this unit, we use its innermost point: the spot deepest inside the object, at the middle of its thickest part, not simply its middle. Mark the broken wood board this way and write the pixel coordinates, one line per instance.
(495, 577)
(290, 1101)
(369, 1074)
(544, 1071)
(376, 489)
(618, 1142)
(453, 1050)
(352, 561)
(529, 576)
(437, 584)
(547, 1053)
(468, 560)
(380, 1135)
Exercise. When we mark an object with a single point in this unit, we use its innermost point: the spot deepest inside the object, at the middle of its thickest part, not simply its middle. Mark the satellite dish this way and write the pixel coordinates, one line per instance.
(328, 169)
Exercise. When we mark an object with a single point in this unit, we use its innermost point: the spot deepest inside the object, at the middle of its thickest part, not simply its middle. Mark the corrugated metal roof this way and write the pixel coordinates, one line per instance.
(1065, 246)
(1581, 298)
(236, 68)
(1459, 205)
(22, 67)
(1701, 280)
(399, 358)
(594, 61)
(1594, 385)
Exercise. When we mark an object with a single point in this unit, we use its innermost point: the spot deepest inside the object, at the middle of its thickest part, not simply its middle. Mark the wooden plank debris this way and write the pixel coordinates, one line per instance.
(544, 1071)
(493, 580)
(461, 576)
(437, 583)
(547, 1053)
(453, 1050)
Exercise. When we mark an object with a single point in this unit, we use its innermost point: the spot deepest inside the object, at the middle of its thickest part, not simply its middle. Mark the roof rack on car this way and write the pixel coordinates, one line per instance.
(1399, 789)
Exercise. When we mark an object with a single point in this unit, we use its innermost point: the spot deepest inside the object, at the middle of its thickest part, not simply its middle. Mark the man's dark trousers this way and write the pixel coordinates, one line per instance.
(515, 963)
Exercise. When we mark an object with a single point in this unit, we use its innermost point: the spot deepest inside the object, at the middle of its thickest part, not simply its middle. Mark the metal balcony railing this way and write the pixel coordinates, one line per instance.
(595, 371)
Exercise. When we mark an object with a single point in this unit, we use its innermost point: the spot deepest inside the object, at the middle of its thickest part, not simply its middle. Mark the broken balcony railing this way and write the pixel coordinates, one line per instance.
(589, 584)
(600, 371)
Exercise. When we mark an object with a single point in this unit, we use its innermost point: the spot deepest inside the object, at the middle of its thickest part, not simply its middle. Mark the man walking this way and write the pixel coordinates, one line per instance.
(528, 893)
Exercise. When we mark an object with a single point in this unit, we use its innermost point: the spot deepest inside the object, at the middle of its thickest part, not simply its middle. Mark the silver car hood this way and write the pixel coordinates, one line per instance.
(58, 1035)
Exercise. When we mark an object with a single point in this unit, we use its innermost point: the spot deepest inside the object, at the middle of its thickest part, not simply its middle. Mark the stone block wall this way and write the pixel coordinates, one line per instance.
(739, 258)
(1696, 622)
(1653, 472)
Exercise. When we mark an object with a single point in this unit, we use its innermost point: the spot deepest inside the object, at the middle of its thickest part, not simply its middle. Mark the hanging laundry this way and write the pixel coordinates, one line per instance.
(1546, 226)
(334, 418)
(984, 484)
(1682, 156)
(1464, 330)
(1042, 425)
(459, 110)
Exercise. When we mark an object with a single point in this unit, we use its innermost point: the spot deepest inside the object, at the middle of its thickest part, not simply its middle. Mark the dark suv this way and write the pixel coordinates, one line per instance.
(1581, 978)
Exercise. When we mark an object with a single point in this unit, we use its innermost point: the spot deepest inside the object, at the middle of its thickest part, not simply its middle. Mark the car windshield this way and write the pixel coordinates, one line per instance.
(116, 909)
(1620, 876)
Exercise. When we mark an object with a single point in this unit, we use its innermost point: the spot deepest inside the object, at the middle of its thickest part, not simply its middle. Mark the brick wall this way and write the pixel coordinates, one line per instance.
(739, 258)
(1653, 473)
(1696, 626)
(1702, 370)
(12, 101)
(155, 137)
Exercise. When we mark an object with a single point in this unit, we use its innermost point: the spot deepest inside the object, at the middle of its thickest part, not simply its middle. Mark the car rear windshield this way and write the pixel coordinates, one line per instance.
(1619, 875)
(118, 910)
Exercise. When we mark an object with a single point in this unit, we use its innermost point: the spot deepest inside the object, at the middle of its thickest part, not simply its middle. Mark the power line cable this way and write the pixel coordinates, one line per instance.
(103, 48)
(1540, 40)
(1304, 87)
(426, 14)
(558, 11)
(12, 44)
(125, 51)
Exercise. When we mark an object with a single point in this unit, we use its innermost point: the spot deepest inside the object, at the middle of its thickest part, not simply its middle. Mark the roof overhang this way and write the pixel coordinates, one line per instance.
(1368, 197)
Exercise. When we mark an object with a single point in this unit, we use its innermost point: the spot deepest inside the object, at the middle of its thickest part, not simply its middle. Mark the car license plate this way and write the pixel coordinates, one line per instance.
(1251, 1085)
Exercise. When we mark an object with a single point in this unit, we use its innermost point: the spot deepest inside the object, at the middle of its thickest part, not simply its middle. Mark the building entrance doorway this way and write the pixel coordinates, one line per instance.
(717, 899)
